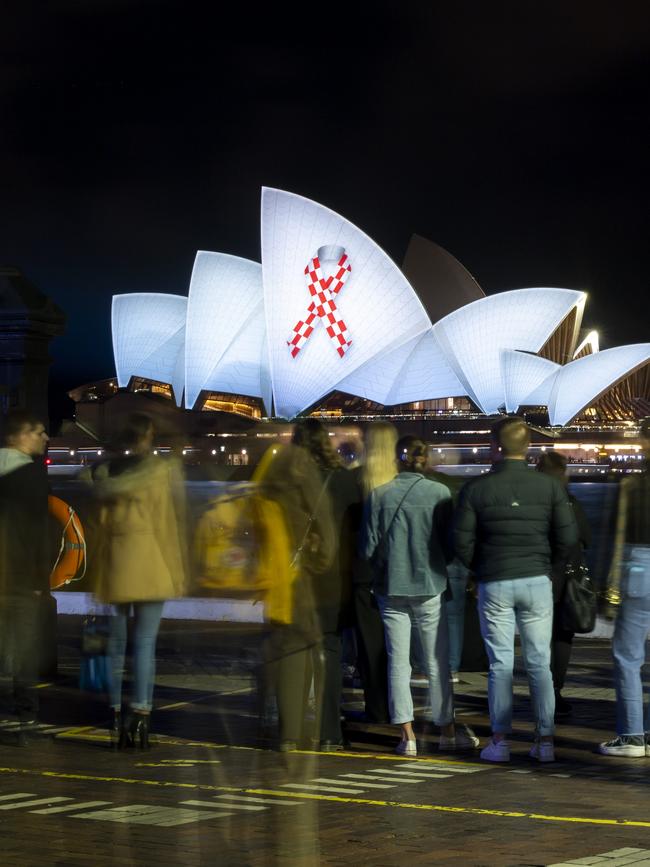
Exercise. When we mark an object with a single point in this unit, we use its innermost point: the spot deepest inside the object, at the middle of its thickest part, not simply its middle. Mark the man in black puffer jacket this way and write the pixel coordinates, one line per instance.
(510, 526)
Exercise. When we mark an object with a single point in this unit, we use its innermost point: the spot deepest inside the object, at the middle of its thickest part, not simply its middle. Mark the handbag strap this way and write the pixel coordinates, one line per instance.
(399, 506)
(312, 517)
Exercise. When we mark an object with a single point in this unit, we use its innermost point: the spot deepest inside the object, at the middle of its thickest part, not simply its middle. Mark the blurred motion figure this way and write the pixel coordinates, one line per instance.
(629, 591)
(554, 464)
(293, 480)
(143, 562)
(332, 587)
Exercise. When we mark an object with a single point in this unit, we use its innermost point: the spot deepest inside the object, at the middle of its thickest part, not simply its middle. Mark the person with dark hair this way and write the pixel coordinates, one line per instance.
(628, 593)
(554, 464)
(510, 526)
(294, 481)
(404, 537)
(144, 562)
(332, 588)
(24, 572)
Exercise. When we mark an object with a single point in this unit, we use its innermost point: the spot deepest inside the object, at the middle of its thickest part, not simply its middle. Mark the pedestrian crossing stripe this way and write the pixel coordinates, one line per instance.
(147, 814)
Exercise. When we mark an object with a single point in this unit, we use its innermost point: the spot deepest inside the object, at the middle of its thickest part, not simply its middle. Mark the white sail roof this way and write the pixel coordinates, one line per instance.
(522, 374)
(581, 382)
(473, 337)
(226, 329)
(149, 338)
(377, 305)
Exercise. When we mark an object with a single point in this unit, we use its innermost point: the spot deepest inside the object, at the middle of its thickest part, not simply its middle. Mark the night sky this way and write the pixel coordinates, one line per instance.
(514, 134)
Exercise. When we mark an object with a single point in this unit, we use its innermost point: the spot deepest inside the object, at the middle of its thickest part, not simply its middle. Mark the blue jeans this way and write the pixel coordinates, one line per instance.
(528, 602)
(427, 614)
(456, 612)
(629, 645)
(147, 620)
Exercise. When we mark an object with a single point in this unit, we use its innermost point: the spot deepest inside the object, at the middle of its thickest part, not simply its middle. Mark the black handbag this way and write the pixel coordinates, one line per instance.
(579, 600)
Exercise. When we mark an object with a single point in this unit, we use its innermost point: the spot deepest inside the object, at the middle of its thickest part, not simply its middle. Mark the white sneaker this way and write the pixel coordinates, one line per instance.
(407, 748)
(627, 746)
(464, 739)
(496, 751)
(542, 751)
(453, 677)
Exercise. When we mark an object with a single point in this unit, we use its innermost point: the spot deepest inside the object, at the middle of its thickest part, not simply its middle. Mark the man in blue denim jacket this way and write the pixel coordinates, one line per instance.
(404, 536)
(629, 588)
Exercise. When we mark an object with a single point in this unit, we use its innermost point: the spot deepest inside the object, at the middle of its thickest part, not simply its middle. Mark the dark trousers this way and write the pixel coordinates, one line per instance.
(372, 660)
(287, 675)
(19, 621)
(561, 642)
(328, 681)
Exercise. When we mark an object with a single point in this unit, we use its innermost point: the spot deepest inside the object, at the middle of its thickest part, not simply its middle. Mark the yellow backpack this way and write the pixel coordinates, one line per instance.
(242, 550)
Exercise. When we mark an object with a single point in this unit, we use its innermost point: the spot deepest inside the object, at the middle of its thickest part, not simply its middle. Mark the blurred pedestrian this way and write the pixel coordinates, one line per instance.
(333, 587)
(379, 466)
(510, 525)
(293, 480)
(24, 569)
(554, 464)
(458, 581)
(405, 538)
(143, 563)
(629, 592)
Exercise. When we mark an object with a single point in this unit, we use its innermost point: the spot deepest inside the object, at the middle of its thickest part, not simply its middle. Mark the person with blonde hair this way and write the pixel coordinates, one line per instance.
(378, 468)
(405, 539)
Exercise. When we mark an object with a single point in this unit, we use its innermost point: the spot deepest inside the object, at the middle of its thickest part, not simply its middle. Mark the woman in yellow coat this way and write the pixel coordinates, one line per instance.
(143, 562)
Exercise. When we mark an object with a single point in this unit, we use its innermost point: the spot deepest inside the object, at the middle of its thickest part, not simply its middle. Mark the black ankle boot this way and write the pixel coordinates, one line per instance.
(139, 730)
(116, 728)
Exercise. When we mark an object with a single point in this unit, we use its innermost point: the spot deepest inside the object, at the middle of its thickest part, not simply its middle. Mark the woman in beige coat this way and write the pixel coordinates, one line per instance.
(143, 563)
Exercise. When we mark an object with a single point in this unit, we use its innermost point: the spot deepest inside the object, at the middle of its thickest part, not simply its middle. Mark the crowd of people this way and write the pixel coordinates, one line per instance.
(383, 552)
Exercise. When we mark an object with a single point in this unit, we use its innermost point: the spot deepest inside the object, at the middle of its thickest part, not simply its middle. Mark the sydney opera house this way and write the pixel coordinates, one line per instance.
(329, 323)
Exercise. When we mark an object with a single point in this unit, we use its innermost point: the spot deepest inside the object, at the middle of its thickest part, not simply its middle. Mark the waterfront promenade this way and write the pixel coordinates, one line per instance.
(212, 791)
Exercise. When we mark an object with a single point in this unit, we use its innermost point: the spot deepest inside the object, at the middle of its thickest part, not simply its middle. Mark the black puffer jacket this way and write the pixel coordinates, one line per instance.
(513, 523)
(24, 565)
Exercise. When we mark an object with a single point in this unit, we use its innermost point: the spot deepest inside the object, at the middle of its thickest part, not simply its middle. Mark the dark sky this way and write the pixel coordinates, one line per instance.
(514, 134)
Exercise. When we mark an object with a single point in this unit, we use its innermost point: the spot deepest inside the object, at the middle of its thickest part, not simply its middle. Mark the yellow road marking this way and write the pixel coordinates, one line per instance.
(177, 763)
(42, 685)
(366, 802)
(443, 808)
(201, 698)
(81, 734)
(164, 784)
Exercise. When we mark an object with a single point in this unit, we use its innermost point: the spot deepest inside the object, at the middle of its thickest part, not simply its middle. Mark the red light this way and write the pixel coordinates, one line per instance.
(48, 461)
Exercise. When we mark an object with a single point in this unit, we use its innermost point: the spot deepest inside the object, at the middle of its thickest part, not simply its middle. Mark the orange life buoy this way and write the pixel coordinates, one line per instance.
(72, 551)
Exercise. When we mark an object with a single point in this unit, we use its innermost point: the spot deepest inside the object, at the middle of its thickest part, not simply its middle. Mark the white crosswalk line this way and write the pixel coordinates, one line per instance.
(17, 795)
(393, 780)
(319, 788)
(337, 782)
(211, 804)
(397, 776)
(442, 766)
(370, 782)
(420, 774)
(287, 802)
(145, 814)
(36, 803)
(67, 807)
